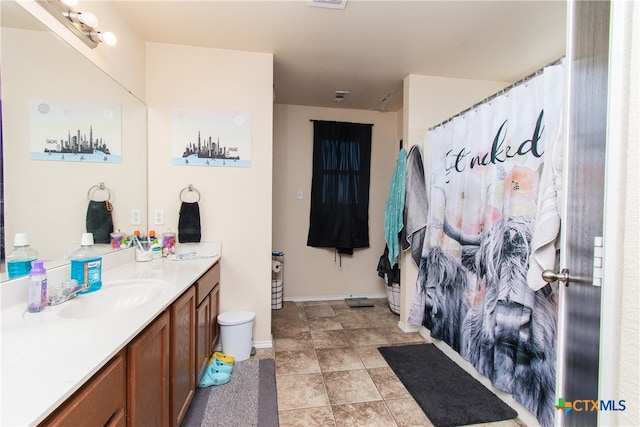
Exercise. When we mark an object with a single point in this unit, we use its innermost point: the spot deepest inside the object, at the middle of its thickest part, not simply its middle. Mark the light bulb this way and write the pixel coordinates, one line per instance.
(70, 3)
(107, 37)
(88, 19)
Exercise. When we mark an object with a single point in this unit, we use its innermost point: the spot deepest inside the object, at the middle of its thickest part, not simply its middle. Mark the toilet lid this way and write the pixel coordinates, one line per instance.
(235, 317)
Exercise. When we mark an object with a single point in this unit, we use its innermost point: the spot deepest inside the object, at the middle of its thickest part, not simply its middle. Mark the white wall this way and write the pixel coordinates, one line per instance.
(620, 324)
(235, 204)
(314, 273)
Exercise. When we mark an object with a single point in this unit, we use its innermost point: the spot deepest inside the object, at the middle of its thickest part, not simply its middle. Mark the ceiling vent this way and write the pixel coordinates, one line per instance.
(331, 4)
(340, 95)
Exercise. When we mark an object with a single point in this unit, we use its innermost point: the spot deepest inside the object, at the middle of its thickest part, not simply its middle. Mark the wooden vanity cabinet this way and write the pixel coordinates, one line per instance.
(183, 354)
(207, 309)
(152, 381)
(148, 375)
(100, 402)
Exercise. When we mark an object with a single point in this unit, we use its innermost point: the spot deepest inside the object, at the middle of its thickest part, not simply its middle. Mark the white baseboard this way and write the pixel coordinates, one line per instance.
(408, 328)
(264, 344)
(332, 297)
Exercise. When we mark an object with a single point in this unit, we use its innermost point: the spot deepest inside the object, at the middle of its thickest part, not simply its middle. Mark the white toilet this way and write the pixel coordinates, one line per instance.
(236, 333)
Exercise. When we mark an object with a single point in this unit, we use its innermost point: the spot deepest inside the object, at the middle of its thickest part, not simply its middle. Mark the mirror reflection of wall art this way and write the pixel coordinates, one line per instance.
(211, 138)
(75, 131)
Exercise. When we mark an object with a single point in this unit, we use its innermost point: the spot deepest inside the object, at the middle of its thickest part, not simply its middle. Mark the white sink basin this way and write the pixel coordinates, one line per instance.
(113, 298)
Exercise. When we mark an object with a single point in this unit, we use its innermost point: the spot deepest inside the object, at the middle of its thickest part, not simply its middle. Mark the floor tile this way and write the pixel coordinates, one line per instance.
(396, 336)
(407, 413)
(319, 311)
(350, 387)
(307, 417)
(354, 320)
(330, 339)
(296, 362)
(301, 391)
(301, 341)
(338, 359)
(388, 384)
(370, 356)
(323, 323)
(369, 336)
(363, 414)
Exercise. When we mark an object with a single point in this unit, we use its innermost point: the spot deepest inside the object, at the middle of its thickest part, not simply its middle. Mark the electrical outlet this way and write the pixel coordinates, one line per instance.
(158, 217)
(136, 217)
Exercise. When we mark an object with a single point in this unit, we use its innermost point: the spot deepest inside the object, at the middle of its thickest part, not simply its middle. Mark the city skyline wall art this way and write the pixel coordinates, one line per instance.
(75, 131)
(211, 138)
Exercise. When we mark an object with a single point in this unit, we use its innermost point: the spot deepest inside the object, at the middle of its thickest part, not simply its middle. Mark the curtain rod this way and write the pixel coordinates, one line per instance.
(497, 94)
(334, 121)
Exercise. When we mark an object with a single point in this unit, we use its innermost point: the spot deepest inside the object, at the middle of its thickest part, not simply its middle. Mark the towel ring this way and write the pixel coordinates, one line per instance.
(95, 189)
(189, 188)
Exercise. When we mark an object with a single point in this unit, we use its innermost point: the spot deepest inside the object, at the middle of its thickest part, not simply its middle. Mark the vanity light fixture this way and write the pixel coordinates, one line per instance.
(82, 24)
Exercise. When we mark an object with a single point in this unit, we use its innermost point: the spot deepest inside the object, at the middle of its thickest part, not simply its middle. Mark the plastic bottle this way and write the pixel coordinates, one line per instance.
(86, 264)
(20, 258)
(37, 287)
(156, 249)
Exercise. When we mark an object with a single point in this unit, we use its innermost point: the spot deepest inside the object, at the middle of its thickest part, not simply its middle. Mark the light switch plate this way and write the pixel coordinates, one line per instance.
(136, 217)
(158, 217)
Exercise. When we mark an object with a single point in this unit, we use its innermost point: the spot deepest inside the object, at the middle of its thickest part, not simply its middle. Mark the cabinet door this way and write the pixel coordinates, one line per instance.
(183, 354)
(203, 314)
(100, 402)
(148, 367)
(213, 318)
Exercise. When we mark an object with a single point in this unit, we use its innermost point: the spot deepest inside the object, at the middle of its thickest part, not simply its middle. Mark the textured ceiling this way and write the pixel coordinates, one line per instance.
(367, 48)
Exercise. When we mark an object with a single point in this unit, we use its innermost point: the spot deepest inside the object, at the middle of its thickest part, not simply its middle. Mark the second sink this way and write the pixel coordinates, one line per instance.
(113, 298)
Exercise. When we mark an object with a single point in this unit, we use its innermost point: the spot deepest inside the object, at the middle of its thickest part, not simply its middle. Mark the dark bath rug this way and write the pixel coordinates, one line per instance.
(447, 394)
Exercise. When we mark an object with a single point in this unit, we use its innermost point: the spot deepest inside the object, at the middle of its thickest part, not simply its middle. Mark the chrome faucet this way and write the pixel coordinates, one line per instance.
(65, 292)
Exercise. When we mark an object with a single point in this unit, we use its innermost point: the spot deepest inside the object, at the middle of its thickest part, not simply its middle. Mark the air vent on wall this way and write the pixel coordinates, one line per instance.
(332, 4)
(340, 95)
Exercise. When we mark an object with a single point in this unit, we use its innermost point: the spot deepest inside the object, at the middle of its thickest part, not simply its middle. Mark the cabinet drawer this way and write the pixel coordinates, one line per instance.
(101, 402)
(207, 282)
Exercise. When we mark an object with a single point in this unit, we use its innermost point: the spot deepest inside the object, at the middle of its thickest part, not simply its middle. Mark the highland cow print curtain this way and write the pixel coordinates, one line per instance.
(472, 287)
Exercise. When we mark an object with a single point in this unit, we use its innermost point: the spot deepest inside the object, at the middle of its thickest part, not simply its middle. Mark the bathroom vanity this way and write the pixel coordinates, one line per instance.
(108, 359)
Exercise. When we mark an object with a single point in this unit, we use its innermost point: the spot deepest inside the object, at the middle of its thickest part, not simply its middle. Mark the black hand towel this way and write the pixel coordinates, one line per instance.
(99, 221)
(189, 222)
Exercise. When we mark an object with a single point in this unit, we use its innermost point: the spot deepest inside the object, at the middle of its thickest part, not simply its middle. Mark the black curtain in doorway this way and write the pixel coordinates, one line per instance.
(339, 216)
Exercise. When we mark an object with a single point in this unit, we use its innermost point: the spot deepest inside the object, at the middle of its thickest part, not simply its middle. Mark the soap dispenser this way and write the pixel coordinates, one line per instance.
(37, 287)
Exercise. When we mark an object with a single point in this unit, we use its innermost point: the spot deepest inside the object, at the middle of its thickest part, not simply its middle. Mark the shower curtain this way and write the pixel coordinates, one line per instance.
(472, 289)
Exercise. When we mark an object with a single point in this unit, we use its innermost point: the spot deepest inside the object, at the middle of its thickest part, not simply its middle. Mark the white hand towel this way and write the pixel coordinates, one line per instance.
(546, 226)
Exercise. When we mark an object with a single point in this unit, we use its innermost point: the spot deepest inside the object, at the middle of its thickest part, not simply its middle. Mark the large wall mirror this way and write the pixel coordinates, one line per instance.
(48, 199)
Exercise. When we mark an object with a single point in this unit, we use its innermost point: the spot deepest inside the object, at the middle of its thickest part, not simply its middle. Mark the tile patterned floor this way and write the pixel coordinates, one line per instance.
(329, 371)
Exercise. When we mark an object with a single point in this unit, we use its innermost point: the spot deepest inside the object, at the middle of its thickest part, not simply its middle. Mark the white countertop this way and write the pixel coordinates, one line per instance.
(46, 357)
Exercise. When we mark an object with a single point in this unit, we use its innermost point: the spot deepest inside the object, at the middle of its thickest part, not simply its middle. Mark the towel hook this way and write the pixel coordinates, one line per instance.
(189, 188)
(99, 187)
